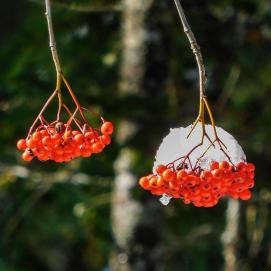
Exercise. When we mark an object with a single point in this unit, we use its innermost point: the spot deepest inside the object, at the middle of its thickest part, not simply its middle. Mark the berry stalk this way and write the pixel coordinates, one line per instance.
(52, 45)
(203, 104)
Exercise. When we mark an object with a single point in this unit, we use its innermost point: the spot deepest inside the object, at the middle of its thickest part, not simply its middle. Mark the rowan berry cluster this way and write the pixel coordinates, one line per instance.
(202, 188)
(58, 142)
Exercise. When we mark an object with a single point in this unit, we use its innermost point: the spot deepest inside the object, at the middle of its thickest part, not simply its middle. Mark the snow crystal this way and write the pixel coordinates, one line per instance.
(165, 199)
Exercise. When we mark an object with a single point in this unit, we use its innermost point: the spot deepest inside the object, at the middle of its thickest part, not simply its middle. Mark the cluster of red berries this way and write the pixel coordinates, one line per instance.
(61, 144)
(202, 188)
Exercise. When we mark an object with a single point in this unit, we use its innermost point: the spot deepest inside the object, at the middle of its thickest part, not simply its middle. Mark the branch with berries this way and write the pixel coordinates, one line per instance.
(193, 163)
(59, 140)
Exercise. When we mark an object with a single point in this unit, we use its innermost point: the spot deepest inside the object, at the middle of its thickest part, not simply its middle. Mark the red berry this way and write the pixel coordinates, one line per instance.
(86, 153)
(160, 169)
(144, 182)
(241, 166)
(21, 144)
(97, 147)
(224, 165)
(47, 141)
(153, 182)
(107, 128)
(245, 195)
(160, 181)
(37, 136)
(214, 165)
(218, 173)
(250, 167)
(78, 138)
(27, 156)
(67, 135)
(181, 174)
(90, 135)
(168, 175)
(105, 139)
(31, 143)
(206, 175)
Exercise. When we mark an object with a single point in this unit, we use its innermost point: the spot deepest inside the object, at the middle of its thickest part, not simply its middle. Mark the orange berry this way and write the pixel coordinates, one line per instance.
(67, 135)
(31, 143)
(27, 156)
(105, 139)
(79, 138)
(21, 144)
(160, 169)
(160, 181)
(251, 175)
(173, 186)
(241, 166)
(218, 173)
(206, 175)
(107, 128)
(250, 183)
(181, 175)
(43, 132)
(76, 132)
(58, 150)
(97, 147)
(47, 141)
(56, 137)
(86, 153)
(187, 201)
(90, 135)
(157, 191)
(168, 175)
(250, 167)
(37, 136)
(214, 165)
(153, 182)
(144, 182)
(245, 195)
(233, 194)
(224, 165)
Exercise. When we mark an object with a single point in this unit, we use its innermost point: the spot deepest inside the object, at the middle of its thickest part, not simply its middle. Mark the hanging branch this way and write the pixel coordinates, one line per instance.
(195, 48)
(52, 45)
(52, 42)
(203, 105)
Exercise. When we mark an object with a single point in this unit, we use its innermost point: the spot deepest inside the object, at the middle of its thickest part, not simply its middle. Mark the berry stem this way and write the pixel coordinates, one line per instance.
(195, 48)
(203, 105)
(74, 99)
(52, 44)
(60, 101)
(41, 112)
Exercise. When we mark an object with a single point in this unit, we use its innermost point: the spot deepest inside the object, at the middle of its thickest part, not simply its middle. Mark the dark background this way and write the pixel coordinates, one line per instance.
(71, 216)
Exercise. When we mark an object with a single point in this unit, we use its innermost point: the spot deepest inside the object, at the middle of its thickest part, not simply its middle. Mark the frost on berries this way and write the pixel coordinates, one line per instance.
(200, 174)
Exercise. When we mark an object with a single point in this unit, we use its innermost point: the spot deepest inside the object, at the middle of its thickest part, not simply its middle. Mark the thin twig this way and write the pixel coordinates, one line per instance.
(41, 112)
(195, 48)
(52, 42)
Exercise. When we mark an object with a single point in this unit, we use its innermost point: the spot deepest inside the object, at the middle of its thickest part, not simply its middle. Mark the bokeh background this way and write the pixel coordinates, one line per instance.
(131, 61)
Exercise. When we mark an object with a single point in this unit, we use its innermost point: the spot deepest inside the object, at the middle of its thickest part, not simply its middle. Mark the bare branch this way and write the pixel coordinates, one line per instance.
(195, 48)
(52, 42)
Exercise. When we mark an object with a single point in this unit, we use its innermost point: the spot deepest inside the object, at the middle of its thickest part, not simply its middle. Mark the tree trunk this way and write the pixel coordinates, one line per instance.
(133, 226)
(230, 235)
